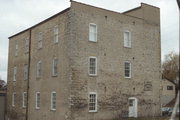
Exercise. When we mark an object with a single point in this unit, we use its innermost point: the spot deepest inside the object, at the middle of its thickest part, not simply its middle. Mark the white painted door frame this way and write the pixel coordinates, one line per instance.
(133, 107)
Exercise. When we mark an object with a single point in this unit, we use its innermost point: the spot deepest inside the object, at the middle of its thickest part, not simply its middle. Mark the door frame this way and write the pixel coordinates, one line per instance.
(136, 106)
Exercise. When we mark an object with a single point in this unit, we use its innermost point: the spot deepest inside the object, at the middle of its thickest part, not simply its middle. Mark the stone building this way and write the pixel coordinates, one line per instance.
(168, 92)
(86, 63)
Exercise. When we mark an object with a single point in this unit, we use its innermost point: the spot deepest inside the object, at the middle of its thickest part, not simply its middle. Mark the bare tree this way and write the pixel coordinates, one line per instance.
(170, 69)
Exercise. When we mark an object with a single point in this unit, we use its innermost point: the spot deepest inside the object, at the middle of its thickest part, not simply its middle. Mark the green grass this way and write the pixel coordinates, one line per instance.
(148, 118)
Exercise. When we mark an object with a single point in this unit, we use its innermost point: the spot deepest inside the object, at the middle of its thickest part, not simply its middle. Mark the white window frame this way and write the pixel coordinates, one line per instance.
(26, 44)
(53, 100)
(95, 66)
(13, 99)
(53, 66)
(129, 69)
(40, 40)
(92, 24)
(56, 34)
(92, 93)
(14, 73)
(24, 96)
(129, 40)
(25, 72)
(38, 102)
(16, 49)
(39, 69)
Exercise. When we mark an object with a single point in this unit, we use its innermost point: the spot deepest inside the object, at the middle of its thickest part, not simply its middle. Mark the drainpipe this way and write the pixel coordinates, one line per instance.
(29, 61)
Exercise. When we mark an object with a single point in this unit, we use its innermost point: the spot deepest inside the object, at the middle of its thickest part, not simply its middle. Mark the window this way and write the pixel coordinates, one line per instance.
(92, 32)
(40, 38)
(53, 101)
(92, 102)
(92, 66)
(26, 45)
(127, 69)
(56, 34)
(39, 69)
(54, 67)
(16, 49)
(127, 39)
(13, 99)
(37, 100)
(15, 73)
(25, 72)
(169, 87)
(24, 99)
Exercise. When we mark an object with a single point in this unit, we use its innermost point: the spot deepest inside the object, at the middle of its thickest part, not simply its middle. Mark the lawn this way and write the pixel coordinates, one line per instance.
(148, 118)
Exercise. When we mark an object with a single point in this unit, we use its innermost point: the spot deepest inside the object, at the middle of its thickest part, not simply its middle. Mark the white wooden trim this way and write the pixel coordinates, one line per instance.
(129, 68)
(52, 100)
(36, 100)
(129, 39)
(89, 66)
(96, 31)
(96, 101)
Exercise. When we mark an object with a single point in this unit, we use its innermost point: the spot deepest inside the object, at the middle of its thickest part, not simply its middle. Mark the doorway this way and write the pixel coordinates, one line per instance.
(133, 103)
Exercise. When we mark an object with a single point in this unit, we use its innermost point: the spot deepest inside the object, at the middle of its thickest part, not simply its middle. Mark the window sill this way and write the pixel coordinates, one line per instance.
(92, 75)
(54, 110)
(127, 77)
(54, 75)
(92, 41)
(128, 47)
(93, 111)
(37, 108)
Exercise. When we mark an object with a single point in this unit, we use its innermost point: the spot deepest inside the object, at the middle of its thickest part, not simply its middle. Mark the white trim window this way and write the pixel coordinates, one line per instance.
(13, 99)
(55, 67)
(92, 102)
(127, 69)
(127, 39)
(53, 100)
(39, 69)
(24, 96)
(92, 32)
(38, 99)
(26, 45)
(40, 39)
(25, 72)
(14, 73)
(92, 66)
(16, 49)
(56, 34)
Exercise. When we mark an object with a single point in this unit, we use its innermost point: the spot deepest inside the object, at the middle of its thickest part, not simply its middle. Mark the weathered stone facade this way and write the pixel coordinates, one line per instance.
(73, 82)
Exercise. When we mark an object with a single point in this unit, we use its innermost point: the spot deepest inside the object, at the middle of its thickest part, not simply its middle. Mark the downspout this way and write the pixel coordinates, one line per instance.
(29, 61)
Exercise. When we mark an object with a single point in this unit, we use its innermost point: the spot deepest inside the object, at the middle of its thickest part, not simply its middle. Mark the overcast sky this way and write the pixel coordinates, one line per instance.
(17, 15)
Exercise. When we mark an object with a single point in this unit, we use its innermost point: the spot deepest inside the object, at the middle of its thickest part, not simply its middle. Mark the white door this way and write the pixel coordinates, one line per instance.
(132, 107)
